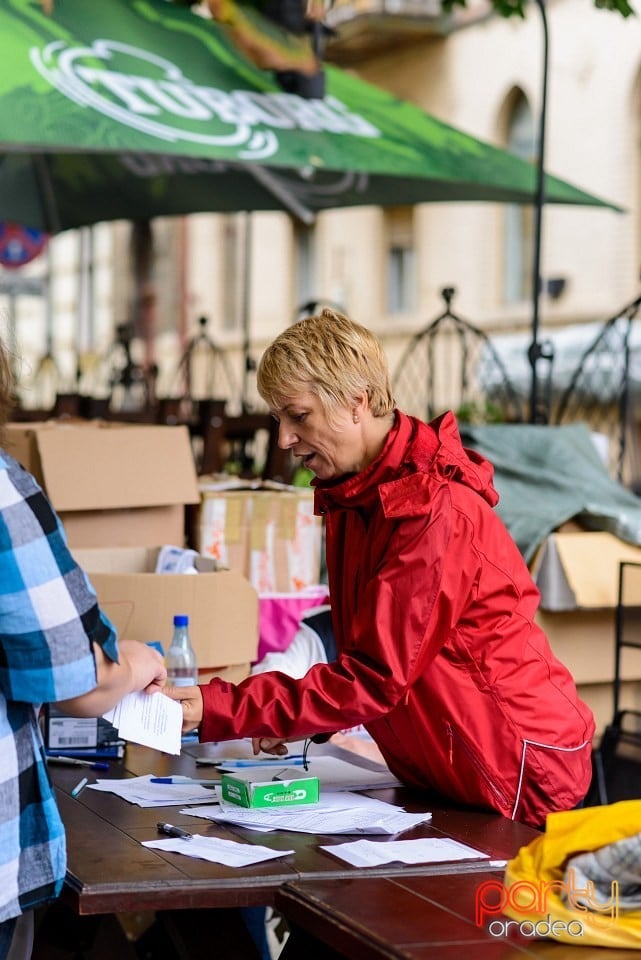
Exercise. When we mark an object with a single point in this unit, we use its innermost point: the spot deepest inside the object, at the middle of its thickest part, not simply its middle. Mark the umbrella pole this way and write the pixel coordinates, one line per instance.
(249, 363)
(539, 410)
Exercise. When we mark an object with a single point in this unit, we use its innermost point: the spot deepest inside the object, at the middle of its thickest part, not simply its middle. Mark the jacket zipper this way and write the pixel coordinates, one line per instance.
(454, 735)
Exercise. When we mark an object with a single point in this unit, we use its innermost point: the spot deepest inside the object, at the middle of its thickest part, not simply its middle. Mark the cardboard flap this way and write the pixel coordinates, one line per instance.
(222, 607)
(581, 570)
(111, 467)
(117, 560)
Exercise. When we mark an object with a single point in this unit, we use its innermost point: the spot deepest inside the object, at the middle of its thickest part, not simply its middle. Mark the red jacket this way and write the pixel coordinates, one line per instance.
(439, 656)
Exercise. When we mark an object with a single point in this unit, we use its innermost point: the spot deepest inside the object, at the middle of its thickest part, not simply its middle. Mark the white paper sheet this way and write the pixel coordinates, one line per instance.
(227, 852)
(335, 774)
(335, 813)
(370, 853)
(151, 719)
(144, 793)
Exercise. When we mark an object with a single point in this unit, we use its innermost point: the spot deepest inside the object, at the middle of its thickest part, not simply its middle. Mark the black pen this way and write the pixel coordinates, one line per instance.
(75, 762)
(171, 831)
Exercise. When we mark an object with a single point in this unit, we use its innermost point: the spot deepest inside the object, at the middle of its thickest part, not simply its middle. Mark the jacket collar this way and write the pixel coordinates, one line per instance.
(415, 455)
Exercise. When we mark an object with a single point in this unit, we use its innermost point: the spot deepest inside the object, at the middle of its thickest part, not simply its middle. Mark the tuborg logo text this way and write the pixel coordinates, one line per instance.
(159, 100)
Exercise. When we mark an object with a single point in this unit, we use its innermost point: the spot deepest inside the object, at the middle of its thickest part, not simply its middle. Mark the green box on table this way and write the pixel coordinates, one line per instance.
(287, 789)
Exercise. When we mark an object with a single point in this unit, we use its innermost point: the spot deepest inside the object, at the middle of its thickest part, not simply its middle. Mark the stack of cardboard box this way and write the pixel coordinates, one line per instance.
(268, 534)
(120, 491)
(577, 573)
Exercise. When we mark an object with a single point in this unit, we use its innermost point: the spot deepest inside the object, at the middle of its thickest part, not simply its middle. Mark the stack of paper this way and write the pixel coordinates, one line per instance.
(150, 719)
(335, 813)
(144, 793)
(333, 774)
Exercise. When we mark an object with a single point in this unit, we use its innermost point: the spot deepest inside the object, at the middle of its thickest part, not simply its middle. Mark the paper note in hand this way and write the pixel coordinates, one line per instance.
(150, 719)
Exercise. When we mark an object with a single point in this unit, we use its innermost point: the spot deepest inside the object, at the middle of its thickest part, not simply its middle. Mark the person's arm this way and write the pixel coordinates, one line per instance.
(139, 667)
(395, 634)
(191, 700)
(56, 644)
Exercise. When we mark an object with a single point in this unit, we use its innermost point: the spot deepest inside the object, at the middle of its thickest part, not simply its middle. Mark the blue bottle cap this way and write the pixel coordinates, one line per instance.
(181, 620)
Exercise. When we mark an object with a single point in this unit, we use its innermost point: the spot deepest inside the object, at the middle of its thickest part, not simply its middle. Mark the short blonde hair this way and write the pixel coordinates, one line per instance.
(333, 357)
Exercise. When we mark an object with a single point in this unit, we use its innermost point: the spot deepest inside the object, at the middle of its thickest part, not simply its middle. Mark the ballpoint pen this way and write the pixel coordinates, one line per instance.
(237, 764)
(217, 761)
(184, 781)
(169, 830)
(75, 762)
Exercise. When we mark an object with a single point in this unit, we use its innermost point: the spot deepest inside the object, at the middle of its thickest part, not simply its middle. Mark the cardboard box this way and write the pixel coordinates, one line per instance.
(111, 484)
(222, 606)
(222, 530)
(578, 576)
(241, 789)
(581, 570)
(270, 536)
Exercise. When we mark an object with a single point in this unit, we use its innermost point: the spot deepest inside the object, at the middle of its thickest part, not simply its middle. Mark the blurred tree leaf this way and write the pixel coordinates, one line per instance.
(517, 8)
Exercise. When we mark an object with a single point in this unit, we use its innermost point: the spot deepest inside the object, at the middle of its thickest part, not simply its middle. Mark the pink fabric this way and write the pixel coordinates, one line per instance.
(280, 614)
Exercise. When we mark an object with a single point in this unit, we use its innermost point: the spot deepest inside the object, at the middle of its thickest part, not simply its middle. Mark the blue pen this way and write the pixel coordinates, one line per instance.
(184, 781)
(237, 764)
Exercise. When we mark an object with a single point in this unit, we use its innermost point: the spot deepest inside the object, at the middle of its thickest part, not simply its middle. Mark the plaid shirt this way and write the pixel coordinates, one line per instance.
(48, 619)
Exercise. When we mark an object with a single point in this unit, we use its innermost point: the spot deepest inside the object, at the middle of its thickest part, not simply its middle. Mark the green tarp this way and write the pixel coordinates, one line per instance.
(547, 475)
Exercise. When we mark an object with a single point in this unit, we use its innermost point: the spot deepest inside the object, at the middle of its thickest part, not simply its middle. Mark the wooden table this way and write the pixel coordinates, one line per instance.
(113, 883)
(109, 871)
(407, 918)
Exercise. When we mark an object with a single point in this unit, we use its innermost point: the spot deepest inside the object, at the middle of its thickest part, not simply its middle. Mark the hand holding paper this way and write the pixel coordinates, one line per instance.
(190, 701)
(150, 719)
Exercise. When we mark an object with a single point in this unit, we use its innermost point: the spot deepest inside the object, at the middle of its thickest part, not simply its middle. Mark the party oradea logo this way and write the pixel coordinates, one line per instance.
(534, 901)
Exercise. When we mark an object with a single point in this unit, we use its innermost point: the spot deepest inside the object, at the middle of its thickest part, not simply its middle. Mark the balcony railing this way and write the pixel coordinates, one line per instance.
(365, 27)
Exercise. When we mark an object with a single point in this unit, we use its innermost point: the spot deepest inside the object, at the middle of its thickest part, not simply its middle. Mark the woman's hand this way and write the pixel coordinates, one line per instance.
(271, 745)
(191, 699)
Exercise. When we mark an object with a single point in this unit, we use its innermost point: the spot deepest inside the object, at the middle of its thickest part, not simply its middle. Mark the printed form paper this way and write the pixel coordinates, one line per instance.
(144, 793)
(335, 774)
(227, 852)
(370, 853)
(150, 719)
(336, 813)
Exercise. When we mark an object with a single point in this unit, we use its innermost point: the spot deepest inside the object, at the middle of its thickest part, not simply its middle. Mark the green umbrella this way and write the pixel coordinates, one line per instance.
(123, 109)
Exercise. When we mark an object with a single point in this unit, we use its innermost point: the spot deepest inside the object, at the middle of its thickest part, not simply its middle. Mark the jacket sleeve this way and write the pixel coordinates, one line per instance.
(405, 614)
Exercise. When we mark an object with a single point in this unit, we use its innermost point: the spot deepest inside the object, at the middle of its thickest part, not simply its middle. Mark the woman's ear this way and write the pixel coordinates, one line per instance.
(360, 404)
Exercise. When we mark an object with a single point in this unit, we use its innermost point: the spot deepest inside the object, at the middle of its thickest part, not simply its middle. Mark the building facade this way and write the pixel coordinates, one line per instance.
(249, 274)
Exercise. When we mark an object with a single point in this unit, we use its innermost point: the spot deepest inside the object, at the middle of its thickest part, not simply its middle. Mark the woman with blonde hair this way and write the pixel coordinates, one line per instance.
(433, 606)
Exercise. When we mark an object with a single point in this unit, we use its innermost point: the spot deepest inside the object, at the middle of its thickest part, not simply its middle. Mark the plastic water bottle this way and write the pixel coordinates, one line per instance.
(182, 668)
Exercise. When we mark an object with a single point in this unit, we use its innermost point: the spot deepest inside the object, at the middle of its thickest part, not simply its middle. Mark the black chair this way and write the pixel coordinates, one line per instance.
(617, 760)
(248, 442)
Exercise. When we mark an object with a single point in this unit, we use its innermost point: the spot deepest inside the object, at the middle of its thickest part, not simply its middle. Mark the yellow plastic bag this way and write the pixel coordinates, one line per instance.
(535, 880)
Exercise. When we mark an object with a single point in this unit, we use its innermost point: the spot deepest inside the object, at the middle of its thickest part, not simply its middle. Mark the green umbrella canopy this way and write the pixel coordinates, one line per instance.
(123, 109)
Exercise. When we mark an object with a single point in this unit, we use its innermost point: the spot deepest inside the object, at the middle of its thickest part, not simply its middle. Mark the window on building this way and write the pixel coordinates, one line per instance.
(401, 260)
(519, 220)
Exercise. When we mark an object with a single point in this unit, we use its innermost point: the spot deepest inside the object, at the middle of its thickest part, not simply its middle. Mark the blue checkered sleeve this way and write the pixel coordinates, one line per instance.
(49, 616)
